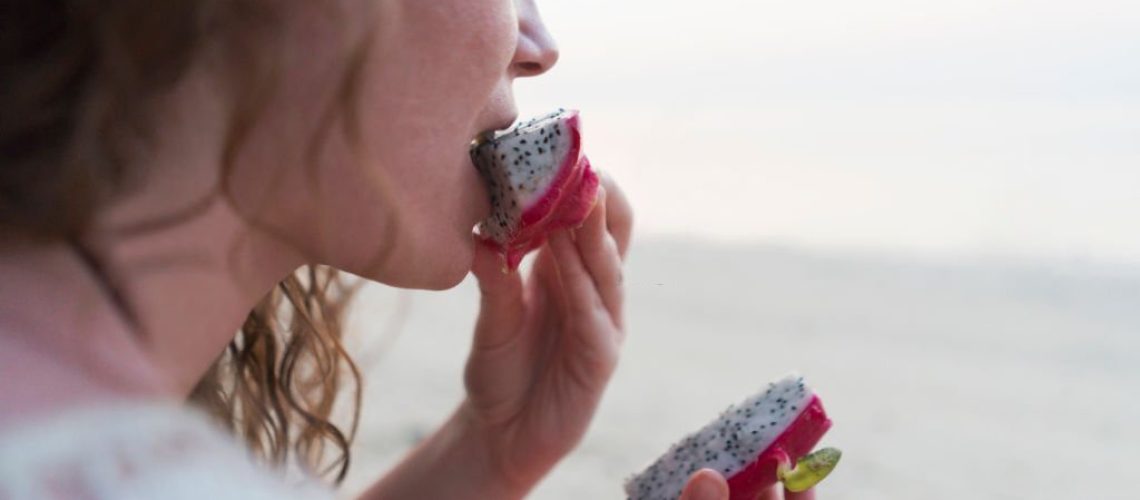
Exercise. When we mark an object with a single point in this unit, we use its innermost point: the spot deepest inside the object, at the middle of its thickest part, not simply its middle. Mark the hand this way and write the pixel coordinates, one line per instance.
(708, 484)
(544, 348)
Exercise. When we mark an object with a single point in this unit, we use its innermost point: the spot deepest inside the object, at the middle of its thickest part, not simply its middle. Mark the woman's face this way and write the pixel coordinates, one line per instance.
(432, 76)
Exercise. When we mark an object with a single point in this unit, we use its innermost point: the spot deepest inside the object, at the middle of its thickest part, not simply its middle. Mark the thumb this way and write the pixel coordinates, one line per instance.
(706, 484)
(501, 297)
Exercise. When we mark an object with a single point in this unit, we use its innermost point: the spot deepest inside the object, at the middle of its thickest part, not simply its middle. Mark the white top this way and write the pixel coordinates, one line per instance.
(135, 451)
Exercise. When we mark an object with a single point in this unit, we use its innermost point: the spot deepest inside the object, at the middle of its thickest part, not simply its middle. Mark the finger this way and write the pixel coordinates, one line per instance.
(501, 298)
(805, 495)
(619, 214)
(582, 297)
(600, 254)
(545, 272)
(705, 484)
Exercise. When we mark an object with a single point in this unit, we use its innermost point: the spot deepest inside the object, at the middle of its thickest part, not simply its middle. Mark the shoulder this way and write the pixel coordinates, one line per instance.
(133, 450)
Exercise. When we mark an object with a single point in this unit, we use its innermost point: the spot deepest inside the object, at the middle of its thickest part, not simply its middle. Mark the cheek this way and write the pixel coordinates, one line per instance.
(440, 59)
(414, 234)
(420, 100)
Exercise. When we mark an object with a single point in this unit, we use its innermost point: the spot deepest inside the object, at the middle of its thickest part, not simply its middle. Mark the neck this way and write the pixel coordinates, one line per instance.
(192, 287)
(188, 289)
(185, 288)
(60, 343)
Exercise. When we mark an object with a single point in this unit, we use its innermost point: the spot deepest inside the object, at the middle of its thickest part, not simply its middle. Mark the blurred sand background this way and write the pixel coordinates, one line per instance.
(946, 380)
(930, 208)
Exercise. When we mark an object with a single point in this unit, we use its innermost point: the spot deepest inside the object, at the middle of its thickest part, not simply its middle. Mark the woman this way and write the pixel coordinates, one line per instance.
(175, 172)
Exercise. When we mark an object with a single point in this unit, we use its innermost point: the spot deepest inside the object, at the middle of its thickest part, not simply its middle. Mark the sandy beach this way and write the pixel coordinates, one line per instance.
(946, 380)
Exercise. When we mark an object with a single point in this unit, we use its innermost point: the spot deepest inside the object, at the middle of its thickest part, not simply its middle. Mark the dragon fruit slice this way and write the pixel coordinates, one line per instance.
(753, 444)
(539, 182)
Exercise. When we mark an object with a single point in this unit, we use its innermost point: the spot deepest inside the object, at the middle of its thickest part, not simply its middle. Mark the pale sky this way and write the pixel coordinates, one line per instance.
(966, 127)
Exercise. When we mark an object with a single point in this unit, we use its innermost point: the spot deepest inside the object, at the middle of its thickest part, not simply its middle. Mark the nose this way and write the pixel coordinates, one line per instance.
(536, 52)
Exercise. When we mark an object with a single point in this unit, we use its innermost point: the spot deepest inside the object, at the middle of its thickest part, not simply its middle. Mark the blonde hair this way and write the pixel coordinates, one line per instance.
(277, 384)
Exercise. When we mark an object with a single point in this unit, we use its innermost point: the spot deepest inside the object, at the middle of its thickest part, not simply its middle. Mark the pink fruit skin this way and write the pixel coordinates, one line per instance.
(796, 441)
(566, 205)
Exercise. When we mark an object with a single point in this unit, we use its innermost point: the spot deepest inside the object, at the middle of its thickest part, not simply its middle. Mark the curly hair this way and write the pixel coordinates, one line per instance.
(78, 81)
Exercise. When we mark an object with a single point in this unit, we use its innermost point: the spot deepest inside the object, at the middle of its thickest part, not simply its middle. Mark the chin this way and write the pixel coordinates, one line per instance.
(447, 276)
(437, 268)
